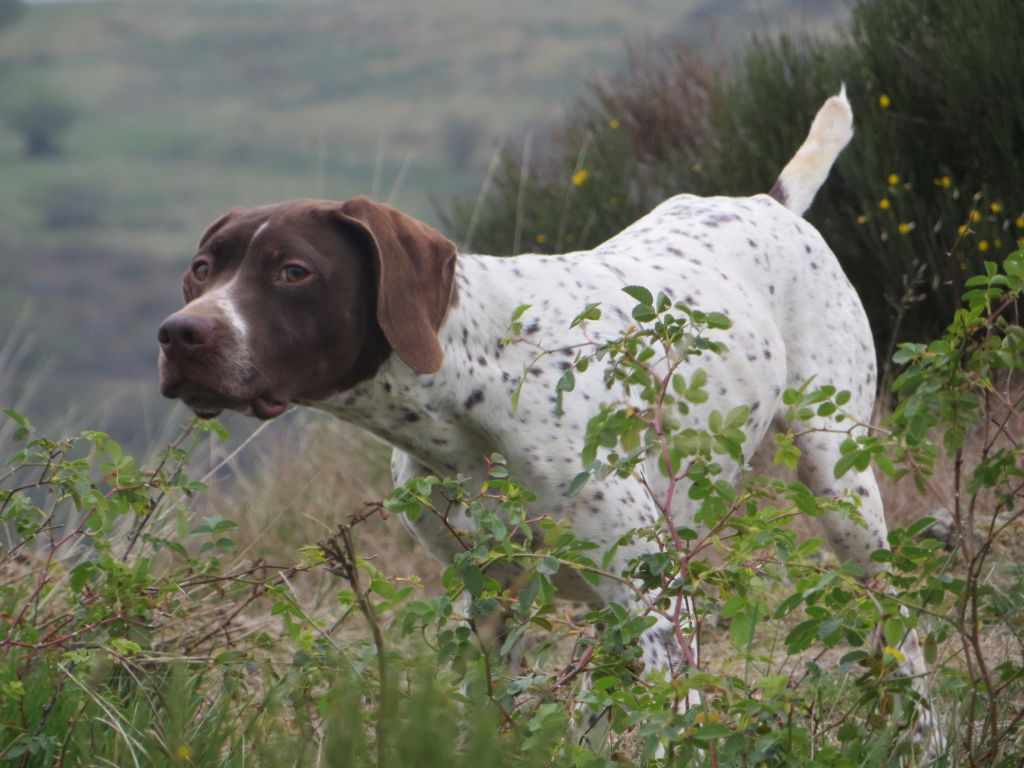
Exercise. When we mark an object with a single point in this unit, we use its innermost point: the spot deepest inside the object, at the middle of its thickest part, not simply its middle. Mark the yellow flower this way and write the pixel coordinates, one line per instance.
(997, 243)
(863, 218)
(884, 101)
(613, 124)
(975, 217)
(541, 238)
(906, 227)
(961, 230)
(894, 652)
(996, 207)
(884, 204)
(894, 179)
(183, 752)
(579, 177)
(945, 182)
(1019, 222)
(983, 246)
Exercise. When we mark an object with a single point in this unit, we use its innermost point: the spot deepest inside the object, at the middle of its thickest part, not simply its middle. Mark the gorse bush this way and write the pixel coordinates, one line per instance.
(936, 158)
(128, 635)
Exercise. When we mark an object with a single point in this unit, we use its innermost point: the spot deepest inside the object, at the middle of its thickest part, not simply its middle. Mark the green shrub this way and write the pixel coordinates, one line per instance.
(766, 699)
(936, 155)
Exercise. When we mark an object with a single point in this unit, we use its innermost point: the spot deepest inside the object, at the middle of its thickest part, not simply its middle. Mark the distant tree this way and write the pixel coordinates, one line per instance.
(10, 10)
(40, 117)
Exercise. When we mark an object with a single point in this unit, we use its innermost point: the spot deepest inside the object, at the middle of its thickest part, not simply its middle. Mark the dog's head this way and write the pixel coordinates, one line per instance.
(301, 300)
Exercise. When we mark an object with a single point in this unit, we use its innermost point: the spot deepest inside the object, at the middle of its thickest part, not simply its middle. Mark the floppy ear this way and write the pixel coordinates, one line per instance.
(415, 278)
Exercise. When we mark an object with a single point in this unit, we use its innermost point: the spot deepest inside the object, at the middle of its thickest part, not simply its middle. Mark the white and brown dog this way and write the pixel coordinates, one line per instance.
(361, 311)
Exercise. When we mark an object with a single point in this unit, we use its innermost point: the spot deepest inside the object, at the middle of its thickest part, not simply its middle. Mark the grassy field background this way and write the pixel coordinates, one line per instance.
(183, 109)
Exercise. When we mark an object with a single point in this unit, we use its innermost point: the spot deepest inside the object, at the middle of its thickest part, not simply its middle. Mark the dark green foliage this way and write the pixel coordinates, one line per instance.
(939, 119)
(934, 168)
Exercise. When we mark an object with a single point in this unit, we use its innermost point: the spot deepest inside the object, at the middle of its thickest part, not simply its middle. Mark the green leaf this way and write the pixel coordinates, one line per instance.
(893, 631)
(711, 732)
(802, 636)
(81, 574)
(741, 631)
(715, 422)
(567, 382)
(737, 417)
(590, 312)
(24, 428)
(931, 650)
(518, 312)
(528, 594)
(577, 484)
(548, 565)
(473, 578)
(643, 313)
(641, 294)
(845, 464)
(718, 320)
(213, 427)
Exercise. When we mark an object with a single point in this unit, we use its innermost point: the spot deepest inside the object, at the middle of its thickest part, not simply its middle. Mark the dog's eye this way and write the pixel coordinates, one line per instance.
(293, 273)
(200, 269)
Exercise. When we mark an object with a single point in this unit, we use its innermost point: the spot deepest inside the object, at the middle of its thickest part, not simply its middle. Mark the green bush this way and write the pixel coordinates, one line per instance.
(766, 698)
(936, 156)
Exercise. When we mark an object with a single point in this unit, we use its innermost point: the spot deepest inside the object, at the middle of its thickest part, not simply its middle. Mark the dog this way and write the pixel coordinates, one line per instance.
(361, 311)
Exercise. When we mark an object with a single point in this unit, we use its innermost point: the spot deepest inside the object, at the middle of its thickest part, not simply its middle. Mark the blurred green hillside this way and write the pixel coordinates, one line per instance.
(178, 110)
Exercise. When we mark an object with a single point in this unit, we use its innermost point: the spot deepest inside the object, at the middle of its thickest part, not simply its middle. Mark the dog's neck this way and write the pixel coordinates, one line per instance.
(436, 417)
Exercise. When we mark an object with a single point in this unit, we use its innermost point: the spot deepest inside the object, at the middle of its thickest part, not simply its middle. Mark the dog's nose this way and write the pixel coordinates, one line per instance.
(181, 334)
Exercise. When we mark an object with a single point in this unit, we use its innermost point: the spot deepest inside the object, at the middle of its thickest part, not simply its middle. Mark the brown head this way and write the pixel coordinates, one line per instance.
(303, 299)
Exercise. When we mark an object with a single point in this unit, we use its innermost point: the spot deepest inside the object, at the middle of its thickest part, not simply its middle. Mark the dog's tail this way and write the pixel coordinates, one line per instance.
(803, 176)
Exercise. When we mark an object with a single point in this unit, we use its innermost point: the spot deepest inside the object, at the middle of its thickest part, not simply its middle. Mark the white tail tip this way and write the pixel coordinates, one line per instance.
(803, 176)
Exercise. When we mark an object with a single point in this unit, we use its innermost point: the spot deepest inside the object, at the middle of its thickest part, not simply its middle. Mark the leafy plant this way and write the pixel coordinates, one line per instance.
(130, 635)
(766, 697)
